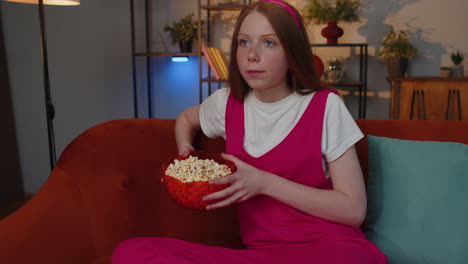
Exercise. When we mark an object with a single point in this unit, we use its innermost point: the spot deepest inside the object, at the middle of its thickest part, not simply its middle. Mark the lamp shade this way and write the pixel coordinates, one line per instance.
(48, 2)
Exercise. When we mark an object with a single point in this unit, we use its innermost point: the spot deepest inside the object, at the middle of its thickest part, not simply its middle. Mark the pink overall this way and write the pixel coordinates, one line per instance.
(273, 232)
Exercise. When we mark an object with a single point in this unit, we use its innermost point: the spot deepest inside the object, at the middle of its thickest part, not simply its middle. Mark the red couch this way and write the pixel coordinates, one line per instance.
(106, 188)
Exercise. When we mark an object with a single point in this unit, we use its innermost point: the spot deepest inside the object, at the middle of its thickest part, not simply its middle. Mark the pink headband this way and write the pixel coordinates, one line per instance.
(287, 7)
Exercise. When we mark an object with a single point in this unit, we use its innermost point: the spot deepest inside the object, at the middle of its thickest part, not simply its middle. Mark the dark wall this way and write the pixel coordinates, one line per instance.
(90, 69)
(11, 188)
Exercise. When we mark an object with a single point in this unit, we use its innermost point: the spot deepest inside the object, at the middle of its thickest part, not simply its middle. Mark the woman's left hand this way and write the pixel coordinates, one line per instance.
(245, 183)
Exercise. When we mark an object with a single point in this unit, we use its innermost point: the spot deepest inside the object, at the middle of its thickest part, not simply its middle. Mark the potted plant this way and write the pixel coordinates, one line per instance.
(396, 50)
(183, 31)
(445, 72)
(331, 12)
(457, 59)
(335, 73)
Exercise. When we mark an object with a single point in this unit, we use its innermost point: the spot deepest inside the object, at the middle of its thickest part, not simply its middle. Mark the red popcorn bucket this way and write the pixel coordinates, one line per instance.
(190, 194)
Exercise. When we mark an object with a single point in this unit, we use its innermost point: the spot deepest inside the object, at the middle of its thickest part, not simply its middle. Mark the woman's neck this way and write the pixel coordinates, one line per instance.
(272, 95)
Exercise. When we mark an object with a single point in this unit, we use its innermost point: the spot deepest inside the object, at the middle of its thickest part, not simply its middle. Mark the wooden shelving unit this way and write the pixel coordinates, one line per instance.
(206, 81)
(166, 54)
(361, 83)
(208, 8)
(148, 53)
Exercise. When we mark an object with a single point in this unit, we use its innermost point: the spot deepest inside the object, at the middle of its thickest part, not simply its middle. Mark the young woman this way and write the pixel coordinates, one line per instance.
(298, 188)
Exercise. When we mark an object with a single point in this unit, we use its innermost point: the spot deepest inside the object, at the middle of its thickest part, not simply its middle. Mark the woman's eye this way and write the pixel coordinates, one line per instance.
(269, 43)
(243, 42)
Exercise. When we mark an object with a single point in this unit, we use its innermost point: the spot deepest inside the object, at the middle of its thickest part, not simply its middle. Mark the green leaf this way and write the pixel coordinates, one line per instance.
(323, 11)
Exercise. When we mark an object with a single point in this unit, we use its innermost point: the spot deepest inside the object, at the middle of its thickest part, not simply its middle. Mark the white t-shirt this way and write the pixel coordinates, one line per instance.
(267, 124)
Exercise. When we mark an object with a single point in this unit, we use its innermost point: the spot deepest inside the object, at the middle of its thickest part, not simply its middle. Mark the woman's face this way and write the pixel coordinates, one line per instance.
(260, 55)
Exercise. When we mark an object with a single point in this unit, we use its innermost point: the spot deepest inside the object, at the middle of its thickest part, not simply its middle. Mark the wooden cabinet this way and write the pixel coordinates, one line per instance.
(429, 98)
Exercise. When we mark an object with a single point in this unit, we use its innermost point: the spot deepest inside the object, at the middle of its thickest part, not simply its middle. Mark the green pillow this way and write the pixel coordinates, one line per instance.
(418, 200)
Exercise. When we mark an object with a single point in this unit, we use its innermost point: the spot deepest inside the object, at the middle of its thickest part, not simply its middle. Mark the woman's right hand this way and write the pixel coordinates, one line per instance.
(186, 126)
(185, 150)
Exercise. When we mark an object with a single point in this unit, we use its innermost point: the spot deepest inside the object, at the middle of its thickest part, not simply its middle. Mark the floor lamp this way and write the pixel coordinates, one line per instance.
(50, 110)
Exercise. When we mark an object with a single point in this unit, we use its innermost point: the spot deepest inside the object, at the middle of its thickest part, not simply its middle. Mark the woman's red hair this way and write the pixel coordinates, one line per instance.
(302, 76)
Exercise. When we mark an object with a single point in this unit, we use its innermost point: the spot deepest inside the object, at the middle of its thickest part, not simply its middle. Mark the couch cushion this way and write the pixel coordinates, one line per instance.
(102, 260)
(433, 130)
(417, 193)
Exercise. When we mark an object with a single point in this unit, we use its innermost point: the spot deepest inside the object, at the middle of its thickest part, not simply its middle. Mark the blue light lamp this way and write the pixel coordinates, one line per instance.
(180, 59)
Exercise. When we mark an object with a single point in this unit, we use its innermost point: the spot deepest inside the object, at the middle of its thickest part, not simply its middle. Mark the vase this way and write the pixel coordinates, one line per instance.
(458, 71)
(185, 47)
(319, 67)
(335, 73)
(397, 67)
(332, 32)
(334, 76)
(445, 72)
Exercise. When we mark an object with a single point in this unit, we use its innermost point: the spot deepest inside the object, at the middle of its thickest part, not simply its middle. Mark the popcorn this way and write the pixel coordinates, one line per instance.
(186, 179)
(195, 169)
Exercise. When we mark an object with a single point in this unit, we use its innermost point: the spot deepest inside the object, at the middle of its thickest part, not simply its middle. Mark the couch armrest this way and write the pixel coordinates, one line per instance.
(53, 227)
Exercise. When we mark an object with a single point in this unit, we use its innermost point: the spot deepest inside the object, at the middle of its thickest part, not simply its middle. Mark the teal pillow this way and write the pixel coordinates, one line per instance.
(418, 200)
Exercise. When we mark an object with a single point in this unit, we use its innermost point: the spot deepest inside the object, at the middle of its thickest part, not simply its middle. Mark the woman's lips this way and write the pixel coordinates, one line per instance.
(254, 73)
